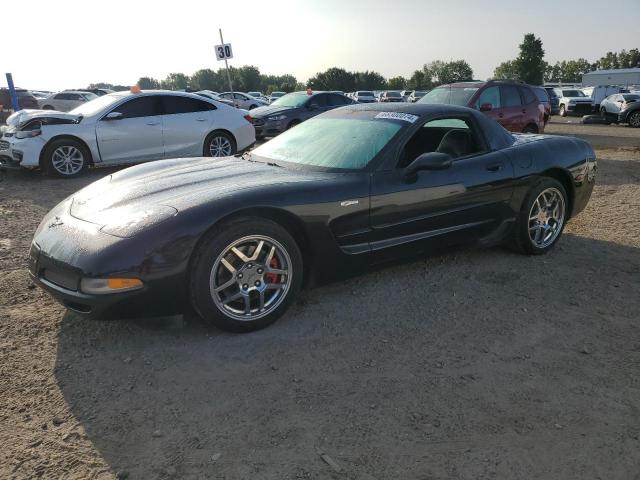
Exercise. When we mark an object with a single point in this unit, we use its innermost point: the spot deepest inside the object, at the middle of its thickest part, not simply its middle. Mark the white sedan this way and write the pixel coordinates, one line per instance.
(242, 100)
(125, 128)
(65, 101)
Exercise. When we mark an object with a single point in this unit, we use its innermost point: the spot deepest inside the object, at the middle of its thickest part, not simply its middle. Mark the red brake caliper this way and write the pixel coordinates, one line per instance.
(273, 277)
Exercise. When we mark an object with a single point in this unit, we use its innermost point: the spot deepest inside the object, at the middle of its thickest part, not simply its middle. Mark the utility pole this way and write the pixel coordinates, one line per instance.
(226, 64)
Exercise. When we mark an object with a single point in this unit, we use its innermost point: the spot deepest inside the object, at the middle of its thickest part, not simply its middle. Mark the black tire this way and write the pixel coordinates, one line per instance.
(603, 112)
(530, 129)
(251, 107)
(563, 112)
(208, 150)
(521, 240)
(213, 245)
(75, 169)
(634, 119)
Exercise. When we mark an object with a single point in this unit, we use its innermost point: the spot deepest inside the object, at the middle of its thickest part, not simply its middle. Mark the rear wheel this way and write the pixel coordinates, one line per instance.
(542, 218)
(246, 274)
(530, 129)
(634, 119)
(219, 144)
(65, 158)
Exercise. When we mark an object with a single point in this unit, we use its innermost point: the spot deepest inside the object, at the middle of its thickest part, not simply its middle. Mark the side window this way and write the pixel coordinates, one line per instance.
(318, 101)
(489, 95)
(239, 96)
(139, 107)
(74, 96)
(527, 95)
(336, 100)
(510, 96)
(174, 104)
(454, 136)
(226, 96)
(61, 96)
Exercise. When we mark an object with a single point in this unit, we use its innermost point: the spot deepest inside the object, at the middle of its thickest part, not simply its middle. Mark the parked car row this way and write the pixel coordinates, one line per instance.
(369, 96)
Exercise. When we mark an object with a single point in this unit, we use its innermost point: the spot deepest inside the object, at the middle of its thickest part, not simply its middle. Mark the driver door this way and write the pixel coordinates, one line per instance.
(461, 203)
(134, 137)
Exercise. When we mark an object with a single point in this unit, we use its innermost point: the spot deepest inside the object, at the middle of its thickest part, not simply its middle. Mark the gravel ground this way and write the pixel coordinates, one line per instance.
(477, 364)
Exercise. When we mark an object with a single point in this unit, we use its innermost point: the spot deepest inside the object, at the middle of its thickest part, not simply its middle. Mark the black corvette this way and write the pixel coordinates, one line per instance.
(236, 238)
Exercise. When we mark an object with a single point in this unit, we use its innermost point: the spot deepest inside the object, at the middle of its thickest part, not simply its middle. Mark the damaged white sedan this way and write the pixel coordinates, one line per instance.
(123, 128)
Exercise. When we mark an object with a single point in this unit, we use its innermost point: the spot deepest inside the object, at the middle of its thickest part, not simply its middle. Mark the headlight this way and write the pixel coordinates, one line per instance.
(28, 133)
(275, 118)
(571, 102)
(99, 286)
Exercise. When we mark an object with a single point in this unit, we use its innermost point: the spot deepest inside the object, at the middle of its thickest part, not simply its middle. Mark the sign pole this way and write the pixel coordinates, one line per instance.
(12, 93)
(226, 64)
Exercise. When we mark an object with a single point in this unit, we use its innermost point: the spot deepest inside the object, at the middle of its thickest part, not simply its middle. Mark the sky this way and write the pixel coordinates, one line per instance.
(58, 44)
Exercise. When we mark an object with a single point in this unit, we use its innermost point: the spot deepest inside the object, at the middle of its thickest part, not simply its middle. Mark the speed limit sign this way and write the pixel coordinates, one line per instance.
(224, 52)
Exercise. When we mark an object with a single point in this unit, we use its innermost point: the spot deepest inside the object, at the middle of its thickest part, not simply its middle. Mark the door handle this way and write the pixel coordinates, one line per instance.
(495, 168)
(200, 119)
(151, 124)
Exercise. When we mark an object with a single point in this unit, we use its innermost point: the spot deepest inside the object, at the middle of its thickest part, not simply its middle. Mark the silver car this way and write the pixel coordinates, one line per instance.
(243, 100)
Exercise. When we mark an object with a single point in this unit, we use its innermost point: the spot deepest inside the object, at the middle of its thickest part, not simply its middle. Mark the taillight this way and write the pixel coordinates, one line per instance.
(248, 118)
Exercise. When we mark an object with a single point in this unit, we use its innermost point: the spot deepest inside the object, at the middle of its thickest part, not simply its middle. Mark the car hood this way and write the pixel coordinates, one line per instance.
(22, 116)
(145, 194)
(269, 110)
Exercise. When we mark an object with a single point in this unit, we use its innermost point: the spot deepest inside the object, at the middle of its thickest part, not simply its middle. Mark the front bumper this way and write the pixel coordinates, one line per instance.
(65, 250)
(269, 128)
(22, 152)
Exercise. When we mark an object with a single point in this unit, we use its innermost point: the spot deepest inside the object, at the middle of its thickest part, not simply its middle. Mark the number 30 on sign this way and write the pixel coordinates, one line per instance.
(224, 51)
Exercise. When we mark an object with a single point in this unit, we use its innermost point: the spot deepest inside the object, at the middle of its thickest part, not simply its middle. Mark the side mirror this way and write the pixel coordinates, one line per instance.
(429, 161)
(486, 107)
(113, 116)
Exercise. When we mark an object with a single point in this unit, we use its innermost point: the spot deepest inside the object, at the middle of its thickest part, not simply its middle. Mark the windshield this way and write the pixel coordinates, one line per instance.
(419, 93)
(348, 141)
(255, 94)
(630, 98)
(291, 100)
(364, 94)
(393, 94)
(450, 95)
(96, 105)
(277, 94)
(573, 93)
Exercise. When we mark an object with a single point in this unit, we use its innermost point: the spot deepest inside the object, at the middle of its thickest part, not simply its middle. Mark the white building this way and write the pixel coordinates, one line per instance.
(621, 76)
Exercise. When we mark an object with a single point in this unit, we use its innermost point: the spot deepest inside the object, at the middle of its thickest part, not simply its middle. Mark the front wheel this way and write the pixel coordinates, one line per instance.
(219, 144)
(542, 218)
(246, 274)
(634, 119)
(65, 158)
(563, 112)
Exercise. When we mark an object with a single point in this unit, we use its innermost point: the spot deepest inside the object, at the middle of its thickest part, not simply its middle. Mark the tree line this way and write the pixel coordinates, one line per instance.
(248, 78)
(529, 66)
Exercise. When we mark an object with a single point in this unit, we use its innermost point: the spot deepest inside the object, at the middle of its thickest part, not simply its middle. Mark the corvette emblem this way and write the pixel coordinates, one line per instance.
(56, 223)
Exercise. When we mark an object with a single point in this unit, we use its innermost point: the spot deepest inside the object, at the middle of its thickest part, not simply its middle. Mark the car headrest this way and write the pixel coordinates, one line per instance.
(457, 143)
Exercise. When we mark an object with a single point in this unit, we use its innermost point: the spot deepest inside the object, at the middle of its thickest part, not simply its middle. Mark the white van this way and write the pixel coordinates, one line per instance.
(599, 93)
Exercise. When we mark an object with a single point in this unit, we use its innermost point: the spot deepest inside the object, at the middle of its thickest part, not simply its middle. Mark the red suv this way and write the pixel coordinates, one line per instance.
(513, 104)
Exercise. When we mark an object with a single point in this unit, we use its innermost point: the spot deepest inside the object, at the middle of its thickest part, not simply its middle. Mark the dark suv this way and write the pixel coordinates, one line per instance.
(292, 109)
(513, 104)
(555, 101)
(25, 99)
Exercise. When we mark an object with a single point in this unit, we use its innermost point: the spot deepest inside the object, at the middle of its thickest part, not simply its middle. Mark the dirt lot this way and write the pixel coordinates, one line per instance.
(477, 364)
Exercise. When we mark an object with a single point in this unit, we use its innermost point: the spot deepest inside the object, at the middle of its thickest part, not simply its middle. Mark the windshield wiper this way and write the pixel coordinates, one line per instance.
(249, 158)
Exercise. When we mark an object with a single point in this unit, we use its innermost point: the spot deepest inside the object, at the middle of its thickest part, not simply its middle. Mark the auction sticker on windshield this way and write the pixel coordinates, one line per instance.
(407, 117)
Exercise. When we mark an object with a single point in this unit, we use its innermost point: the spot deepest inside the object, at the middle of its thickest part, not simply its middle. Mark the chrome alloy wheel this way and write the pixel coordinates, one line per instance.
(67, 160)
(220, 147)
(251, 277)
(546, 217)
